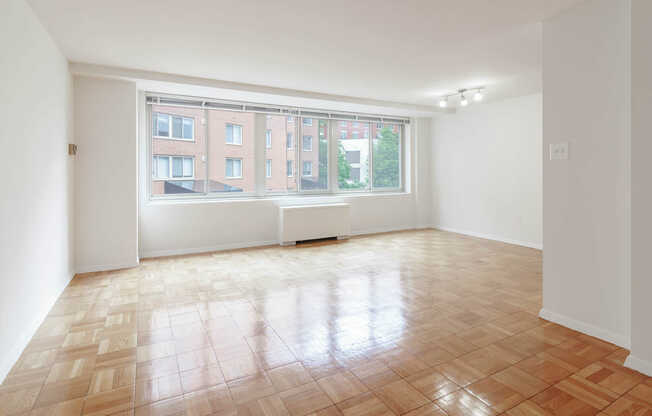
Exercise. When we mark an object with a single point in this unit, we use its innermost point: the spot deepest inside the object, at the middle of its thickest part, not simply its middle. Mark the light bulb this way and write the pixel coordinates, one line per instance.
(464, 102)
(443, 103)
(478, 96)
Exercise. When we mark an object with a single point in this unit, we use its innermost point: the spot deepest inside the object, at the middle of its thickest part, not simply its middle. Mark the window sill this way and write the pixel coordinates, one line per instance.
(285, 198)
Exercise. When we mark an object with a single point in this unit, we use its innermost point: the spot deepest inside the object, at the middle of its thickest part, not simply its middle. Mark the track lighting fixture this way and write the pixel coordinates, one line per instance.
(477, 96)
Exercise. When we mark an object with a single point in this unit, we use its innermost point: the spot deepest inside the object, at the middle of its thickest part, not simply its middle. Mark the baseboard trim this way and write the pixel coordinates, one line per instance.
(199, 250)
(586, 328)
(8, 360)
(104, 267)
(380, 230)
(490, 237)
(640, 365)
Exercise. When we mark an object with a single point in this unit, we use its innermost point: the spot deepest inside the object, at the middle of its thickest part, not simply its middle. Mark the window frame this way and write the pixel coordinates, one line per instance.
(170, 129)
(268, 168)
(268, 139)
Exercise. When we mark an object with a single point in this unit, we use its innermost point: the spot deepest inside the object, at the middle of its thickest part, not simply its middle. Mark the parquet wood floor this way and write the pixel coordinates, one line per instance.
(417, 323)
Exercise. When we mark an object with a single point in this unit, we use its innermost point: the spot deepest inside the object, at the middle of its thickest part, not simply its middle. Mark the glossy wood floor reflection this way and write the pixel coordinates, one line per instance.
(421, 323)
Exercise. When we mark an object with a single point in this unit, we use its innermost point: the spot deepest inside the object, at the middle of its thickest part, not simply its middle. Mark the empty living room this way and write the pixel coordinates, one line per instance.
(343, 208)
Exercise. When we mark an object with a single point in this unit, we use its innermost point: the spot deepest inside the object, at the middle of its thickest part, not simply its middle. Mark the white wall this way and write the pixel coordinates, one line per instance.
(36, 207)
(168, 228)
(486, 171)
(641, 177)
(586, 198)
(106, 185)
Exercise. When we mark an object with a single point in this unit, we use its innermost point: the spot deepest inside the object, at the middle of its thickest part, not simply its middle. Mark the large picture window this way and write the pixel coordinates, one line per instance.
(207, 151)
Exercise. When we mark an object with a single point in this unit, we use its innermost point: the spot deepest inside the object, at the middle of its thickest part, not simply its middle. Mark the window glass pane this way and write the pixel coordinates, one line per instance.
(268, 137)
(237, 134)
(177, 127)
(307, 121)
(278, 154)
(288, 168)
(307, 143)
(188, 128)
(177, 167)
(229, 168)
(187, 167)
(163, 125)
(163, 167)
(314, 175)
(229, 133)
(188, 161)
(307, 169)
(387, 156)
(353, 157)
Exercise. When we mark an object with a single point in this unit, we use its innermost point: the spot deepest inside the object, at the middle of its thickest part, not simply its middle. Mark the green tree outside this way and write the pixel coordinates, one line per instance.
(386, 159)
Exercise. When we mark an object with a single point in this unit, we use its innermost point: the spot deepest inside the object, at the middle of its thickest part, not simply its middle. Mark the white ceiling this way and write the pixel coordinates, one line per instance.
(408, 51)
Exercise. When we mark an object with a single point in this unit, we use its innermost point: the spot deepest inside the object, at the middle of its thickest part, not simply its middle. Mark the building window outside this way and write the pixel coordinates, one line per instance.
(233, 134)
(168, 126)
(233, 168)
(307, 143)
(165, 167)
(307, 169)
(289, 141)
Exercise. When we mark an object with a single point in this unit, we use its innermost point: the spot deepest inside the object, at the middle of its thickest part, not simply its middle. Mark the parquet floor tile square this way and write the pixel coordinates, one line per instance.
(495, 394)
(432, 384)
(366, 404)
(305, 399)
(401, 397)
(463, 403)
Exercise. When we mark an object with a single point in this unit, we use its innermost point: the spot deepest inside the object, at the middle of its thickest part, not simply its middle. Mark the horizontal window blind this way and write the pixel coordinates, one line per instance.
(161, 99)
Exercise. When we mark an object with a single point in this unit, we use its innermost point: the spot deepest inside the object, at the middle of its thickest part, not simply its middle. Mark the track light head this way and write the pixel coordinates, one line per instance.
(478, 96)
(463, 101)
(443, 103)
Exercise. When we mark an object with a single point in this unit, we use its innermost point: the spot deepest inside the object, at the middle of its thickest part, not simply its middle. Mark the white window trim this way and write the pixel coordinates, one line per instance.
(176, 178)
(332, 189)
(241, 168)
(170, 137)
(241, 134)
(303, 143)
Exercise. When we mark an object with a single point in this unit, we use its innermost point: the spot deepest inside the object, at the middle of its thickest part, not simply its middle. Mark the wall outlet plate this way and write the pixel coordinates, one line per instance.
(559, 151)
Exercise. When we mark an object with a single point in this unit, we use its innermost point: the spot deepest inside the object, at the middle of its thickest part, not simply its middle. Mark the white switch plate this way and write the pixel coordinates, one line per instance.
(559, 151)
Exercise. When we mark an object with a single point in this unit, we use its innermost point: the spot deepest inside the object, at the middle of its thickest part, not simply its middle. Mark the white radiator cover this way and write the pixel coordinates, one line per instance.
(307, 222)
